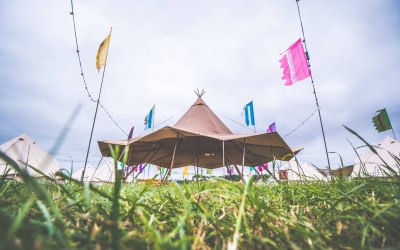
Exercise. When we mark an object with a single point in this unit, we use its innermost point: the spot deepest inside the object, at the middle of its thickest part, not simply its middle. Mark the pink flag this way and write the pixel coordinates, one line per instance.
(294, 64)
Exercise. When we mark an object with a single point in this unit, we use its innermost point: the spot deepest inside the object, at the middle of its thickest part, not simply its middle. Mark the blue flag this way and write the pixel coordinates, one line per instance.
(149, 119)
(249, 114)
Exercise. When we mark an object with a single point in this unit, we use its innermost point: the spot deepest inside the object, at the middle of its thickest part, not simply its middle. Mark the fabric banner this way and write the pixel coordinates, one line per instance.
(249, 114)
(149, 119)
(271, 128)
(102, 53)
(131, 133)
(294, 64)
(381, 121)
(185, 170)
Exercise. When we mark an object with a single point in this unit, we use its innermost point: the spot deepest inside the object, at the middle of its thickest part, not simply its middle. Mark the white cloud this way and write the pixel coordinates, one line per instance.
(161, 51)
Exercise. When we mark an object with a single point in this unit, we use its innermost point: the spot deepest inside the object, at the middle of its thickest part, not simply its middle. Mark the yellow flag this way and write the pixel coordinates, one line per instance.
(185, 170)
(102, 53)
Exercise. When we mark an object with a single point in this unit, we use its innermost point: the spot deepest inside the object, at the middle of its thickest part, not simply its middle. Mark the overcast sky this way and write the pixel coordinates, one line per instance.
(162, 50)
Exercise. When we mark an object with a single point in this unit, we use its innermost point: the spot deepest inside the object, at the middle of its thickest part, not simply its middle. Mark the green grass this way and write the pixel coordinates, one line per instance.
(205, 215)
(68, 214)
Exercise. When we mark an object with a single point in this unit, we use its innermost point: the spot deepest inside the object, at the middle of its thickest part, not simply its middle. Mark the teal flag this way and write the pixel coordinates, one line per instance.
(149, 119)
(249, 114)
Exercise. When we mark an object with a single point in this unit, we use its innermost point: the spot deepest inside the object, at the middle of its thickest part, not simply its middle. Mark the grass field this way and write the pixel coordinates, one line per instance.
(67, 214)
(342, 214)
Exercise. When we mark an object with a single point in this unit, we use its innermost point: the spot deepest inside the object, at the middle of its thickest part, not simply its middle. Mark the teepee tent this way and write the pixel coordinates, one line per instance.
(89, 172)
(294, 170)
(371, 164)
(200, 138)
(105, 172)
(28, 154)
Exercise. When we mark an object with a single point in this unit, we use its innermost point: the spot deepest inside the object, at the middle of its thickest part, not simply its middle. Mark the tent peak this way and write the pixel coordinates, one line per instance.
(198, 93)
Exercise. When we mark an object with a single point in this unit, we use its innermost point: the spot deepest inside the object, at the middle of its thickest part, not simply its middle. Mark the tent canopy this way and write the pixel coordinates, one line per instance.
(371, 164)
(26, 152)
(201, 139)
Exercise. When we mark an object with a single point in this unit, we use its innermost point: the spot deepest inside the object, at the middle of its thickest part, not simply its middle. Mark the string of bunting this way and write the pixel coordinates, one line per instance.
(72, 13)
(301, 124)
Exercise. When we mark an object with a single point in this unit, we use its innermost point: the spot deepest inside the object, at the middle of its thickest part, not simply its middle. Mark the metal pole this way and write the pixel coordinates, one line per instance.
(72, 165)
(173, 160)
(94, 122)
(223, 153)
(394, 134)
(312, 82)
(244, 153)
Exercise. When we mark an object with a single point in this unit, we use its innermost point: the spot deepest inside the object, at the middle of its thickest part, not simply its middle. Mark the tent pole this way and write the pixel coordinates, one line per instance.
(223, 153)
(244, 153)
(94, 122)
(147, 162)
(269, 172)
(394, 134)
(236, 167)
(173, 159)
(234, 143)
(312, 82)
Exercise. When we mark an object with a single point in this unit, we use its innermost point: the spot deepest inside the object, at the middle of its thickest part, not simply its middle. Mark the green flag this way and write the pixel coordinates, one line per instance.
(209, 171)
(381, 121)
(162, 170)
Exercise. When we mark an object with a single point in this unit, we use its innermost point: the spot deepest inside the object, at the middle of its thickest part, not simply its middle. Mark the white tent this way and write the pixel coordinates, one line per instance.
(27, 153)
(105, 173)
(294, 170)
(371, 164)
(89, 172)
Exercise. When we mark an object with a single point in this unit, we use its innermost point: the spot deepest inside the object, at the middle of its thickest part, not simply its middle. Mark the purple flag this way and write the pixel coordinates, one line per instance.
(140, 168)
(131, 133)
(271, 128)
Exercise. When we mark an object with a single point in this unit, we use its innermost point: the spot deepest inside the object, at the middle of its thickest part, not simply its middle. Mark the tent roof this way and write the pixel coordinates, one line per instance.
(25, 151)
(372, 165)
(201, 135)
(201, 119)
(89, 172)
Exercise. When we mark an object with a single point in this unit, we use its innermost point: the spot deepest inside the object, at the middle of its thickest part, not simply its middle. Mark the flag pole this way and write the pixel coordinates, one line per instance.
(154, 117)
(394, 134)
(94, 122)
(312, 82)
